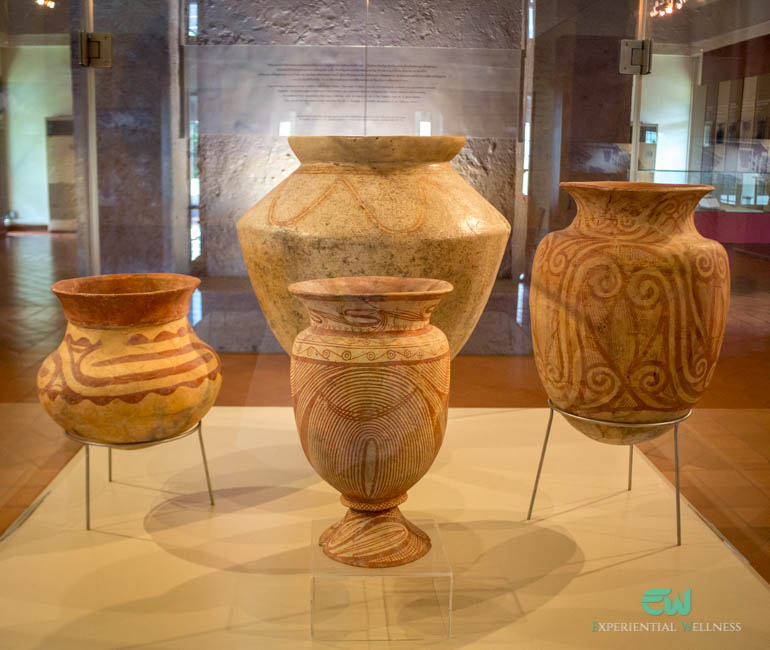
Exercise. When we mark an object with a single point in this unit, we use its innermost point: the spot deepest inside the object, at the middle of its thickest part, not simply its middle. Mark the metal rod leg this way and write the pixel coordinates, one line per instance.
(540, 466)
(88, 488)
(205, 462)
(630, 465)
(109, 463)
(676, 466)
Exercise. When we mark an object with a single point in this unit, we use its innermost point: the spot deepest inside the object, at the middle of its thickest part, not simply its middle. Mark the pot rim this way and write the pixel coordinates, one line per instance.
(635, 186)
(68, 286)
(376, 149)
(334, 288)
(167, 299)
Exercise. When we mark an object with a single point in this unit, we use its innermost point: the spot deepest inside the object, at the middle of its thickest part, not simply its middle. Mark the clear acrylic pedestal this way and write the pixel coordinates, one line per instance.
(405, 603)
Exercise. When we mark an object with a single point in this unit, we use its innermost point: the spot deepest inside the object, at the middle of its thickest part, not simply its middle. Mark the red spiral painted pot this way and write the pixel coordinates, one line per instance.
(628, 307)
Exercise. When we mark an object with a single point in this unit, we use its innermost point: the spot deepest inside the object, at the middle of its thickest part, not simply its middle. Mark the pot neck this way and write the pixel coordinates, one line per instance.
(367, 315)
(635, 208)
(375, 151)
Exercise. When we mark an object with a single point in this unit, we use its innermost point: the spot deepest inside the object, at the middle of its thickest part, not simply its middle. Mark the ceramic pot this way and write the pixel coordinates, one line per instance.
(628, 307)
(374, 206)
(370, 386)
(130, 368)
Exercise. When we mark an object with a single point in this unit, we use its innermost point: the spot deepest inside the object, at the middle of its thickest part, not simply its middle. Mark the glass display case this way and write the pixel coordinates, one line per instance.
(136, 136)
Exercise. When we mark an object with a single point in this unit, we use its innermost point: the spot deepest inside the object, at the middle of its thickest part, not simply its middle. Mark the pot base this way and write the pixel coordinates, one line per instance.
(614, 435)
(384, 538)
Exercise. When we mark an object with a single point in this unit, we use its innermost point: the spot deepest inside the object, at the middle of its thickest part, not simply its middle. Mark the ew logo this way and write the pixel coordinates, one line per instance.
(657, 595)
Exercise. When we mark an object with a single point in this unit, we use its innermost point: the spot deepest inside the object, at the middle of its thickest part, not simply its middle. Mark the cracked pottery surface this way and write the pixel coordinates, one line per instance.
(374, 206)
(370, 389)
(628, 307)
(130, 368)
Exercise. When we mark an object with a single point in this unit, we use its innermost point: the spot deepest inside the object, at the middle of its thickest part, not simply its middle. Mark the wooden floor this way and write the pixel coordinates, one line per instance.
(724, 446)
(32, 449)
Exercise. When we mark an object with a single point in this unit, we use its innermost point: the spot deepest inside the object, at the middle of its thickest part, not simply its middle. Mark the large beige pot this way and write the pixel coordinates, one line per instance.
(374, 206)
(628, 307)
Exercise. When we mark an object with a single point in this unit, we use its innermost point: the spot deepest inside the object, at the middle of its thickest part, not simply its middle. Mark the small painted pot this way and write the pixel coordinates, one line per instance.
(370, 388)
(130, 368)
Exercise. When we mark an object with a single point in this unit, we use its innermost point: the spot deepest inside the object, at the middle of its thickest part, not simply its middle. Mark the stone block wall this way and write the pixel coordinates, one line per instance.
(141, 149)
(237, 170)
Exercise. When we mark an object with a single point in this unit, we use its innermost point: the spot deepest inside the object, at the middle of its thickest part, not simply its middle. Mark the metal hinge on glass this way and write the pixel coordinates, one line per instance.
(96, 49)
(635, 56)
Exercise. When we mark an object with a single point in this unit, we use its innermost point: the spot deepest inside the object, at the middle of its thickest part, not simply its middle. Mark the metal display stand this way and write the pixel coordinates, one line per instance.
(625, 425)
(132, 446)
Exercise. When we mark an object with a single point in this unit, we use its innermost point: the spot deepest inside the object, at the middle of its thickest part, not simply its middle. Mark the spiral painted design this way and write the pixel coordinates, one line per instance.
(705, 264)
(604, 279)
(645, 289)
(129, 384)
(628, 306)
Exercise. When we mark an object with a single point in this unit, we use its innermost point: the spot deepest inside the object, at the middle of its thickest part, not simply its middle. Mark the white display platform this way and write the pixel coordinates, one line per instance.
(412, 602)
(163, 569)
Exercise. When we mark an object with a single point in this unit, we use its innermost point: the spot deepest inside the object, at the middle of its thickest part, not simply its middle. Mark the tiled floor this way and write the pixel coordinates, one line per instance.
(724, 447)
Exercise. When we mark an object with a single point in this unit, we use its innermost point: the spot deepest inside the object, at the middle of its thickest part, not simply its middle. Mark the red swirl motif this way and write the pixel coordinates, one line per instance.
(66, 377)
(628, 307)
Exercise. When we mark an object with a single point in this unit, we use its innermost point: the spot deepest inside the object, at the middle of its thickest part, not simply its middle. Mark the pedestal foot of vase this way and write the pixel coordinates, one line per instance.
(370, 389)
(374, 539)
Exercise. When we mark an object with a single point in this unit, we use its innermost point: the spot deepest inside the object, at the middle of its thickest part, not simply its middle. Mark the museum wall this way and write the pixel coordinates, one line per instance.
(35, 70)
(577, 105)
(581, 105)
(710, 21)
(141, 150)
(237, 170)
(25, 17)
(37, 86)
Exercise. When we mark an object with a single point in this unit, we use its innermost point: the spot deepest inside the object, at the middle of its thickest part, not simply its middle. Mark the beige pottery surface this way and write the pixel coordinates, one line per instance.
(389, 206)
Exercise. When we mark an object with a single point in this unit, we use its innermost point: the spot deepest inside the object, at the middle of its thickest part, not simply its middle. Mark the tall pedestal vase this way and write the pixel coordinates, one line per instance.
(370, 387)
(130, 368)
(628, 307)
(374, 206)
